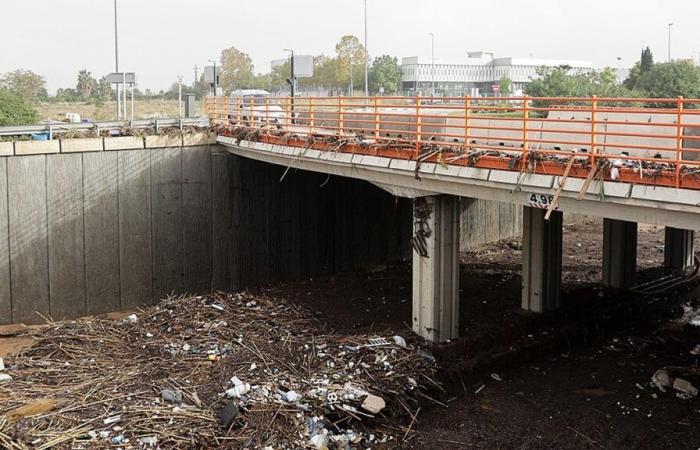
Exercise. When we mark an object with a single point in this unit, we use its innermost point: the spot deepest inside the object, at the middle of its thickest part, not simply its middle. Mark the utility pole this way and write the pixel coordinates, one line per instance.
(196, 75)
(116, 60)
(432, 61)
(669, 41)
(366, 56)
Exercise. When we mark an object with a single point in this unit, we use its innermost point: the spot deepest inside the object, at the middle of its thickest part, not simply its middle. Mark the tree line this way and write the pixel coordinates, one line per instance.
(647, 79)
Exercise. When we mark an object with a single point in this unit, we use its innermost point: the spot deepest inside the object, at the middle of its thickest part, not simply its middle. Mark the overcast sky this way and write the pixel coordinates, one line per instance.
(161, 39)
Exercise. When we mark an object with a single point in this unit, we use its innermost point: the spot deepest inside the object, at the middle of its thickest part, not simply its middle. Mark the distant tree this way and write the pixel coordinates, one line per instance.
(16, 110)
(646, 62)
(559, 82)
(86, 85)
(104, 89)
(351, 56)
(26, 84)
(644, 65)
(67, 95)
(671, 80)
(385, 73)
(505, 84)
(236, 70)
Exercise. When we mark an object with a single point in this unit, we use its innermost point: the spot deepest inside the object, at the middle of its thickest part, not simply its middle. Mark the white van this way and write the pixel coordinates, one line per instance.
(252, 106)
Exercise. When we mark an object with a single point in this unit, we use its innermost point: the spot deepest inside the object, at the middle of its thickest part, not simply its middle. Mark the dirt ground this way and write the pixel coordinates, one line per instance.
(576, 379)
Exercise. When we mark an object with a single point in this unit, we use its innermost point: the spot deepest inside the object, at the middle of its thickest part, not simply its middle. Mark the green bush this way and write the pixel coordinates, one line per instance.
(14, 110)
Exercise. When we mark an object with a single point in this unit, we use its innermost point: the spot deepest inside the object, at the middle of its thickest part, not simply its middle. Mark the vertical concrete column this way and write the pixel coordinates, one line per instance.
(619, 253)
(436, 267)
(542, 244)
(679, 248)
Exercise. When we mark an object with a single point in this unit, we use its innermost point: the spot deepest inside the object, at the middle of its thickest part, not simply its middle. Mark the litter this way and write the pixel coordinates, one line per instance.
(401, 342)
(5, 378)
(111, 420)
(685, 389)
(373, 404)
(496, 377)
(171, 395)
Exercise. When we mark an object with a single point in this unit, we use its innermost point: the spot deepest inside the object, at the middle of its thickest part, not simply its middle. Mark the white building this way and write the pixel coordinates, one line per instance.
(476, 75)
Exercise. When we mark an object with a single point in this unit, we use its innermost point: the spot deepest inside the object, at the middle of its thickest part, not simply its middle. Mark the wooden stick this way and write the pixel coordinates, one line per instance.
(562, 181)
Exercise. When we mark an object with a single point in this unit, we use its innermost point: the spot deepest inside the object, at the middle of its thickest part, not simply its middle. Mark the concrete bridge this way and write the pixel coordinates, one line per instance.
(629, 161)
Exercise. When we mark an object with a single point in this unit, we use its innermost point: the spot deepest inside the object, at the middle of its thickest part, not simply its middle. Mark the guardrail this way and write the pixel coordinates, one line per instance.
(55, 128)
(639, 140)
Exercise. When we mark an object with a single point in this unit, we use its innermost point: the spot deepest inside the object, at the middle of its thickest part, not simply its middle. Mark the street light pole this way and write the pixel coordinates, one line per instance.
(432, 60)
(366, 56)
(669, 41)
(116, 60)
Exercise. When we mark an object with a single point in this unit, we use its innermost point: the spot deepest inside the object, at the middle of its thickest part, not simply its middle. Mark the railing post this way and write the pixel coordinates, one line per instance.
(267, 112)
(239, 107)
(419, 127)
(679, 141)
(287, 114)
(376, 119)
(226, 108)
(341, 116)
(526, 124)
(251, 114)
(467, 117)
(594, 150)
(311, 115)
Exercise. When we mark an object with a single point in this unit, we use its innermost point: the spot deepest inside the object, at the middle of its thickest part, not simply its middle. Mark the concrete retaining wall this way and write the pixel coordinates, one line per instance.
(93, 231)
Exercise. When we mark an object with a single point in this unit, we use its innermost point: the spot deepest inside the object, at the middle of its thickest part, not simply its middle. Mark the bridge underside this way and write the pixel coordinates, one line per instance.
(436, 225)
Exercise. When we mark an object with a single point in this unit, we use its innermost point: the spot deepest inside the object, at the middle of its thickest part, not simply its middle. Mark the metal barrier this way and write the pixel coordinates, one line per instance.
(637, 140)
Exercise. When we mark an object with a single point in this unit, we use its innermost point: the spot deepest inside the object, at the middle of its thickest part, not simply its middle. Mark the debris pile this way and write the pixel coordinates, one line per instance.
(224, 370)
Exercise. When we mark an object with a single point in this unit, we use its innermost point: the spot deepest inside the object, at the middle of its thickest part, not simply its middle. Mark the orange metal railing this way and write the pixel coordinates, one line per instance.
(637, 140)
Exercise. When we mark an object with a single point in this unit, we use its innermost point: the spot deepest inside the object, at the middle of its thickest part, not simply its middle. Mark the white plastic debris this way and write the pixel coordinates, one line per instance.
(5, 377)
(496, 377)
(401, 342)
(694, 352)
(236, 381)
(215, 306)
(238, 390)
(2, 364)
(373, 404)
(131, 318)
(253, 366)
(320, 440)
(148, 441)
(112, 419)
(291, 397)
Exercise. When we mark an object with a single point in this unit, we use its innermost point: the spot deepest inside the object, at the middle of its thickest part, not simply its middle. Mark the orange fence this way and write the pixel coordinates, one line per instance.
(637, 140)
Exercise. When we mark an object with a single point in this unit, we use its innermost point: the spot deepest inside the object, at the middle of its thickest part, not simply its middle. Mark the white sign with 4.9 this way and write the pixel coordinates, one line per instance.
(541, 201)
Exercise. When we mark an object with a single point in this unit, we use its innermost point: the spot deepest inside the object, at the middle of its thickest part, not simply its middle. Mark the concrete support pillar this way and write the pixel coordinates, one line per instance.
(679, 248)
(619, 253)
(436, 267)
(542, 243)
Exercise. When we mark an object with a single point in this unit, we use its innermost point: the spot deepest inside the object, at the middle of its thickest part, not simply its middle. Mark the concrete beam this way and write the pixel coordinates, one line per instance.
(436, 267)
(542, 245)
(619, 253)
(655, 207)
(679, 251)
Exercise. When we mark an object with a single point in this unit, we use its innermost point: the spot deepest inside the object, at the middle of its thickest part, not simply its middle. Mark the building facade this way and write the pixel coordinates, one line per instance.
(479, 74)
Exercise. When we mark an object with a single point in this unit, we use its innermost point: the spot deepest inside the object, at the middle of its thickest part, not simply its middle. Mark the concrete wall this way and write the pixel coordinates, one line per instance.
(97, 231)
(485, 221)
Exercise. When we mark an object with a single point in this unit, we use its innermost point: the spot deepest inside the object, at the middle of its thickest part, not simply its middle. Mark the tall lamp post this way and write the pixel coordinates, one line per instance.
(669, 41)
(432, 60)
(116, 61)
(366, 56)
